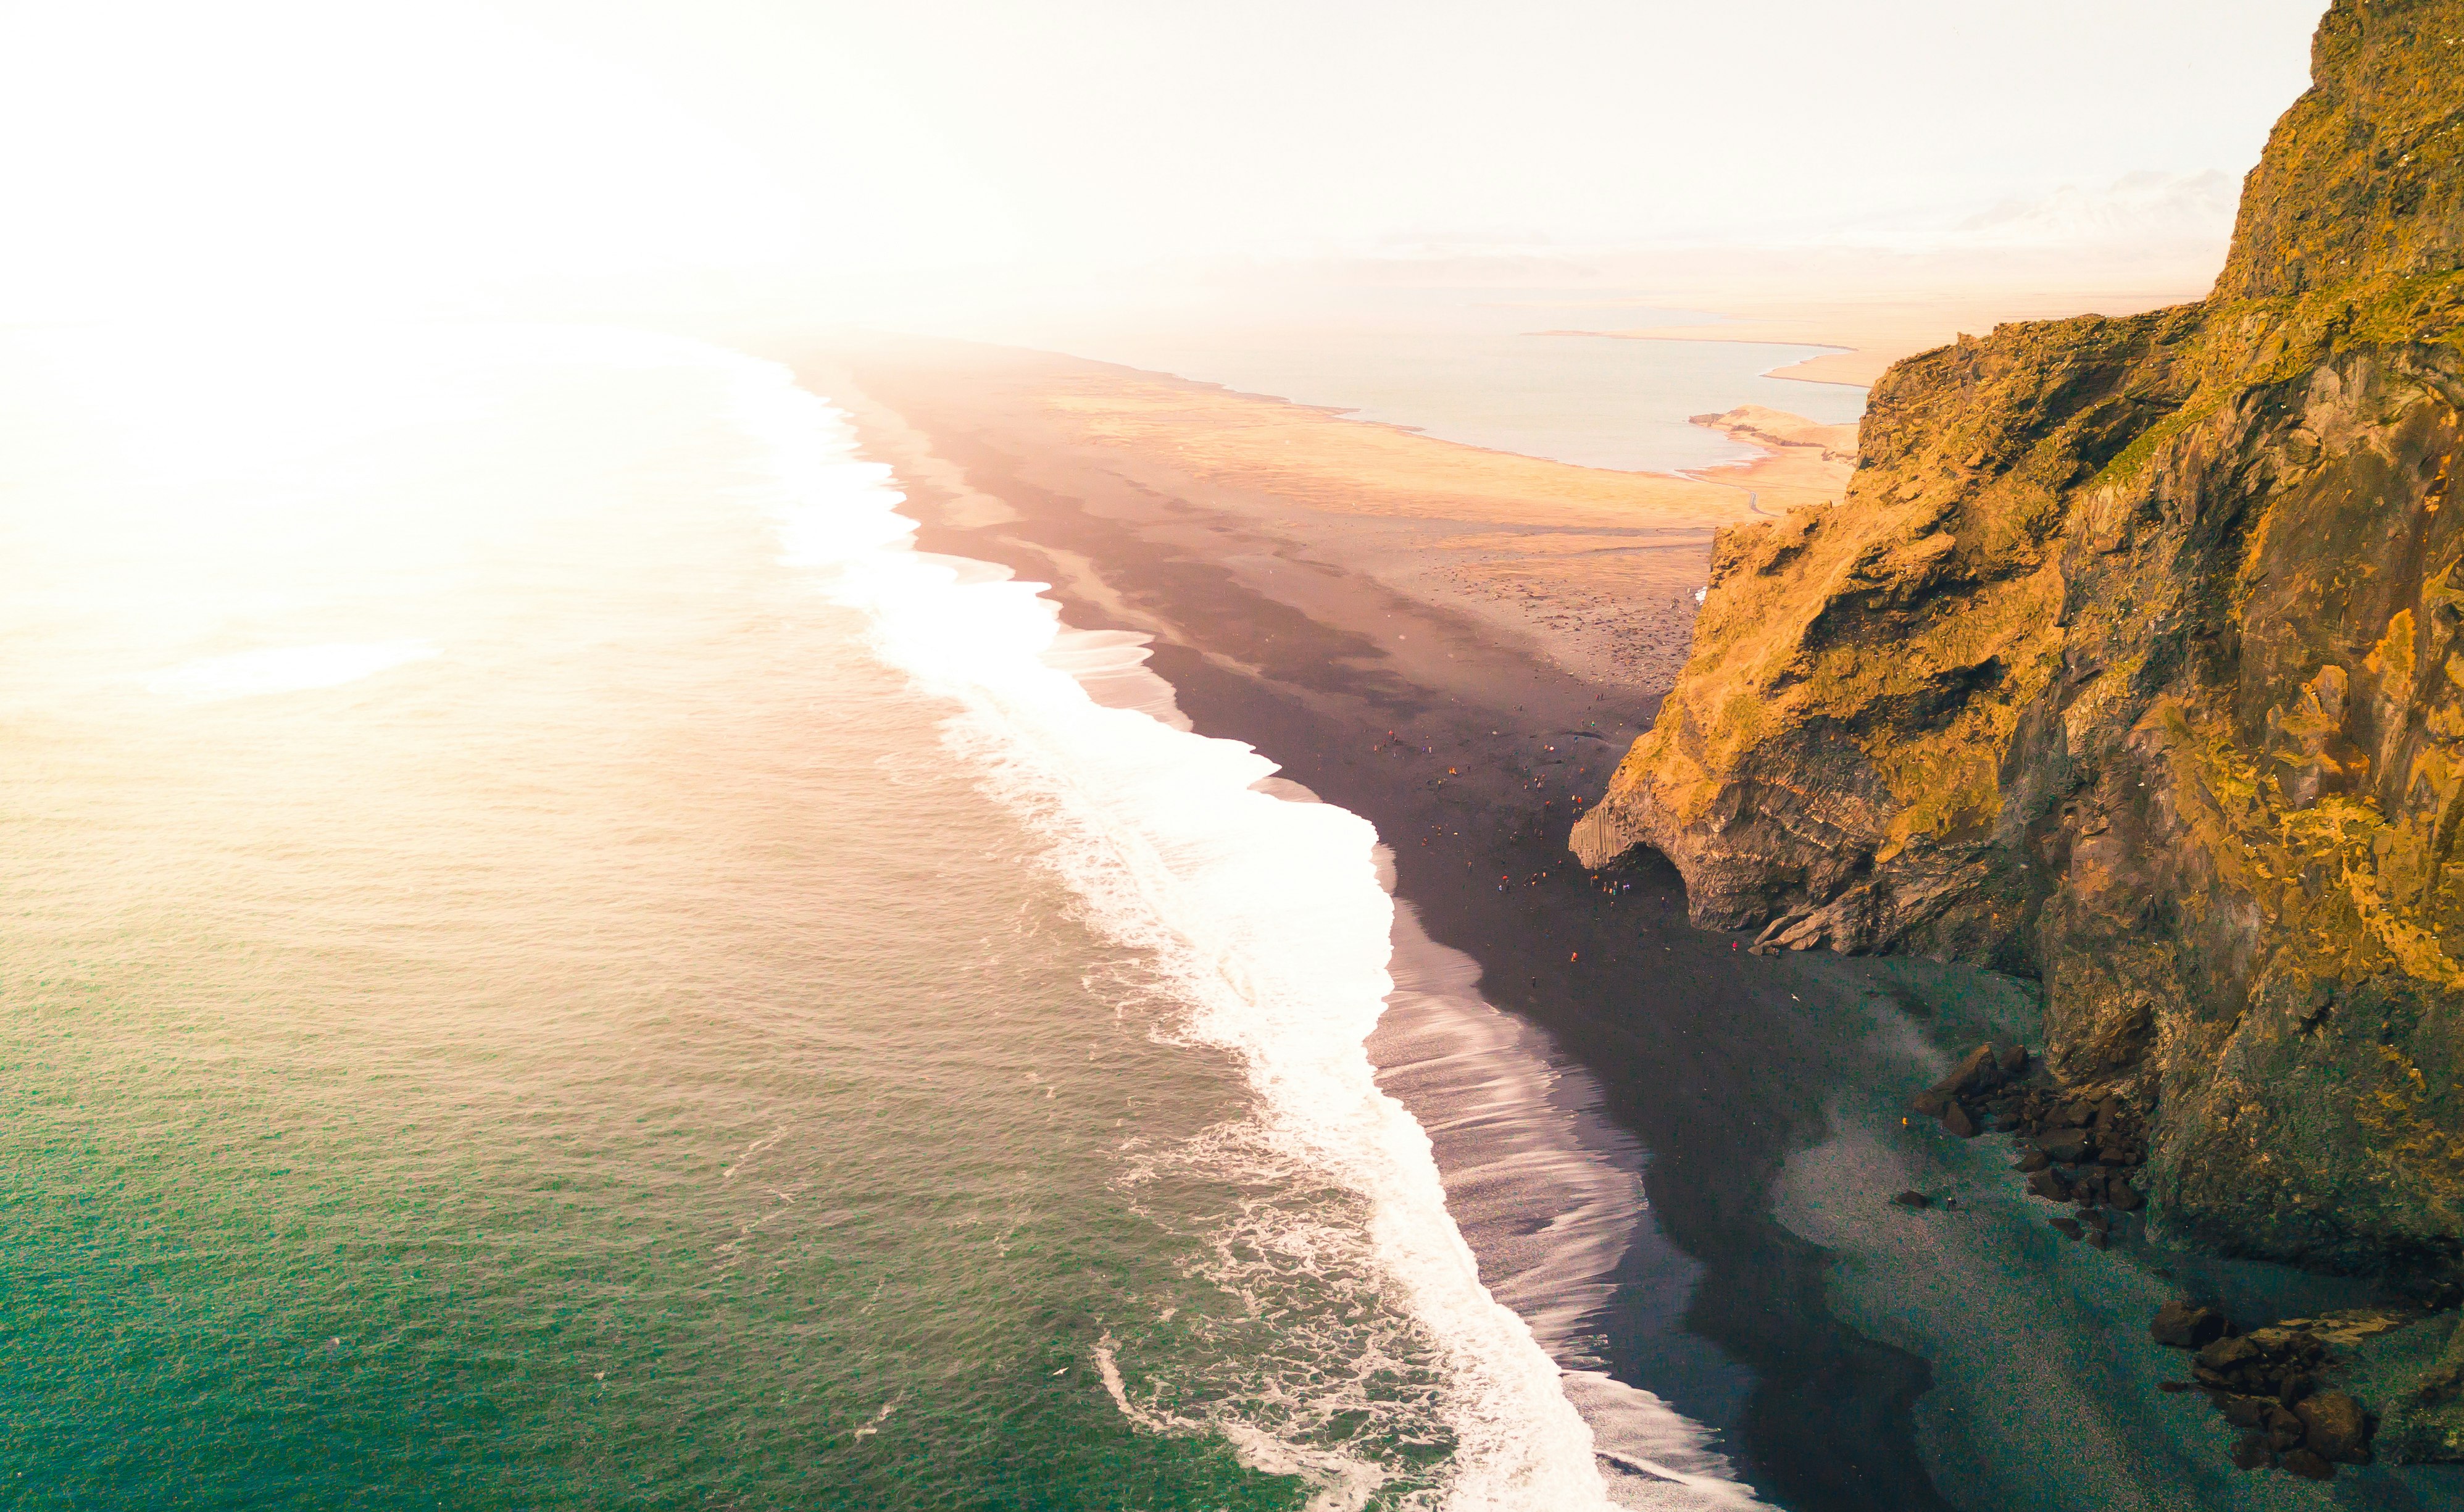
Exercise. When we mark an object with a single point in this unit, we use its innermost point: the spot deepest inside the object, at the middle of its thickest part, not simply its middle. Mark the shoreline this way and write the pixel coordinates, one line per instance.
(1836, 1351)
(1870, 330)
(1840, 367)
(1839, 1351)
(1273, 628)
(1839, 358)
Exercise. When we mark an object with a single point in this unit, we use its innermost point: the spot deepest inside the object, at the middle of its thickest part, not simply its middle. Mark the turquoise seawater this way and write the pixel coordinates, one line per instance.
(547, 960)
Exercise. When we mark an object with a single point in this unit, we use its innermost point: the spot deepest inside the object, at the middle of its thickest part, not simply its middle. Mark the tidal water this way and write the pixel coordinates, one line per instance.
(1505, 371)
(548, 959)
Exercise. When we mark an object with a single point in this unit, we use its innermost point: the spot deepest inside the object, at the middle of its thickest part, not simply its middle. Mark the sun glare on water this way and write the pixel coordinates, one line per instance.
(249, 512)
(284, 669)
(174, 161)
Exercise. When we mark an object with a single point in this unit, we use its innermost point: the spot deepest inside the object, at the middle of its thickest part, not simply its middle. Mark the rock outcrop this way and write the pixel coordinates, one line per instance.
(2134, 660)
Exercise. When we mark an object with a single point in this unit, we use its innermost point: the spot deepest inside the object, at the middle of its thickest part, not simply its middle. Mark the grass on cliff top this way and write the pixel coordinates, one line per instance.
(2256, 344)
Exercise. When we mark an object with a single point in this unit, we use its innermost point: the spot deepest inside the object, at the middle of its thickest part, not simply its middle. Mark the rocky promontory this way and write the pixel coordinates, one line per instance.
(2133, 660)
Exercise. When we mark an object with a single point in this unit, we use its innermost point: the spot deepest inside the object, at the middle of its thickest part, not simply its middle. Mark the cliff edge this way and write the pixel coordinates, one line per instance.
(2134, 660)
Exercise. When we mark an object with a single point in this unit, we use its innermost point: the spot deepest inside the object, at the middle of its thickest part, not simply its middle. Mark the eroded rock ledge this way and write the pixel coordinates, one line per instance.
(2134, 660)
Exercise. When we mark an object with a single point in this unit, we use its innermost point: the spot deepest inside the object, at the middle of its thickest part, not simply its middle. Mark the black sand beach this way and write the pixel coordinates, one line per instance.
(1962, 1356)
(1470, 757)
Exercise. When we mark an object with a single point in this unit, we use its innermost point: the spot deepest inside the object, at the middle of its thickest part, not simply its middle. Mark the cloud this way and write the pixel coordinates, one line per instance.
(2138, 208)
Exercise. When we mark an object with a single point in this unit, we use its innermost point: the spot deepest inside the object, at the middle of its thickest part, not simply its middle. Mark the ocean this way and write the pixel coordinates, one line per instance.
(553, 960)
(1508, 370)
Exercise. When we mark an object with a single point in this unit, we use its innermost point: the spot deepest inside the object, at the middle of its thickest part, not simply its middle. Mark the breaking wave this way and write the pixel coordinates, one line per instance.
(1359, 1349)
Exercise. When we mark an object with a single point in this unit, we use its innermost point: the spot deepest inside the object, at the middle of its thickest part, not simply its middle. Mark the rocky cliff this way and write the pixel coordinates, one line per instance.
(2134, 660)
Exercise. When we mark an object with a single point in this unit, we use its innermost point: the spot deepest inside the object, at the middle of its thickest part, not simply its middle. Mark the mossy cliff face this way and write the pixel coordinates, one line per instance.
(2134, 660)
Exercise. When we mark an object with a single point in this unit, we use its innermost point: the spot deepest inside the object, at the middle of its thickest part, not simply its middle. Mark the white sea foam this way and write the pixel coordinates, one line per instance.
(1267, 919)
(1551, 1211)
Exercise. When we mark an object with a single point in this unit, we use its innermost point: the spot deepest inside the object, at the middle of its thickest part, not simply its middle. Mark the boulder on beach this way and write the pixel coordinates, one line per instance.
(2245, 1411)
(2220, 1362)
(2253, 1452)
(1979, 1068)
(2186, 1325)
(2334, 1426)
(2307, 1465)
(2066, 1147)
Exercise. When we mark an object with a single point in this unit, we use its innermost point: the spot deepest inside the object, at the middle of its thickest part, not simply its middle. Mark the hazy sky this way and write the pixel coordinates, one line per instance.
(151, 152)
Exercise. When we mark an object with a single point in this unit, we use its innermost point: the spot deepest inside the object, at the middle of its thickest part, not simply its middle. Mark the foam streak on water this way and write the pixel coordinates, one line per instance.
(1550, 1210)
(1264, 917)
